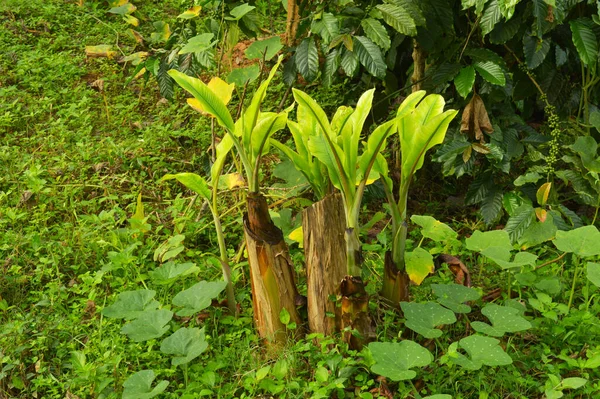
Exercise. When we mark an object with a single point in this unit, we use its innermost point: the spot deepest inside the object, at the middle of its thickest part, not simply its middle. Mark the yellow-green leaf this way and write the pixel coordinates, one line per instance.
(298, 236)
(102, 50)
(191, 13)
(419, 263)
(542, 193)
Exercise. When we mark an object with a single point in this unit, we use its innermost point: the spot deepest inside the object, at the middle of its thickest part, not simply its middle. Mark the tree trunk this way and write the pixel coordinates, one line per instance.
(396, 283)
(418, 56)
(293, 20)
(323, 225)
(272, 273)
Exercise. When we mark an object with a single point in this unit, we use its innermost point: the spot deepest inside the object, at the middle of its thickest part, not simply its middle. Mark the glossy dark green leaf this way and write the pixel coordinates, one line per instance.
(307, 59)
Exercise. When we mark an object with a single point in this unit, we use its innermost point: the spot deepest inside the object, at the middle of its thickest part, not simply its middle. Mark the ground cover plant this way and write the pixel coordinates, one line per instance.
(206, 199)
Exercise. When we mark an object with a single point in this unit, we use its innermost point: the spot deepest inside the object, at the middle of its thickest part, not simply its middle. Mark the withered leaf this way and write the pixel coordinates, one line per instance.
(475, 120)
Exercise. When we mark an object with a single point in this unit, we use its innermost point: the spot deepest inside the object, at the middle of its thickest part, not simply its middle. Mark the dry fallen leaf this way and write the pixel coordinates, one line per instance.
(475, 120)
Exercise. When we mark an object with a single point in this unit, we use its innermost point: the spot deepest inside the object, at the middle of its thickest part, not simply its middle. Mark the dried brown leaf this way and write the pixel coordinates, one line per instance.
(475, 120)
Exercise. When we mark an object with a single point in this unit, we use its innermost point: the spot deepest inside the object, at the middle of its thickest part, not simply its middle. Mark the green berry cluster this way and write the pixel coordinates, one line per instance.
(553, 124)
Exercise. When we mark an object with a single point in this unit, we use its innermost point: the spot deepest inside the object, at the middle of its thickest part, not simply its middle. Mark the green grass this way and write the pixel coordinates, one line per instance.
(73, 160)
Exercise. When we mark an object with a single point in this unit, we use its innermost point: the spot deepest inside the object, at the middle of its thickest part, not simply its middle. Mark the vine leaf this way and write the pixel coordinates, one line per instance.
(149, 325)
(453, 296)
(139, 386)
(395, 359)
(475, 120)
(504, 319)
(482, 350)
(131, 304)
(198, 297)
(186, 344)
(423, 318)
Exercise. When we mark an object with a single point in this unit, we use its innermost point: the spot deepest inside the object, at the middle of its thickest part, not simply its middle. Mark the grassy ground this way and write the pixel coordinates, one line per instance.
(76, 149)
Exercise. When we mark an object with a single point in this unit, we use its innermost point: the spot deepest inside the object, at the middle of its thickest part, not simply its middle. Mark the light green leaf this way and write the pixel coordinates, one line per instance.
(370, 56)
(369, 167)
(464, 81)
(131, 304)
(209, 100)
(504, 319)
(307, 59)
(501, 256)
(491, 72)
(538, 232)
(421, 129)
(572, 383)
(149, 325)
(169, 272)
(530, 177)
(453, 296)
(398, 18)
(419, 263)
(585, 40)
(267, 48)
(583, 241)
(433, 229)
(593, 273)
(199, 43)
(423, 318)
(239, 11)
(482, 351)
(395, 359)
(198, 297)
(241, 76)
(376, 32)
(192, 181)
(186, 344)
(438, 396)
(267, 124)
(139, 386)
(480, 241)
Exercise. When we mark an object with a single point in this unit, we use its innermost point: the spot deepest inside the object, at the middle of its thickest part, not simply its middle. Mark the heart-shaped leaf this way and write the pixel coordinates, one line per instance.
(149, 325)
(131, 304)
(198, 297)
(480, 241)
(395, 359)
(186, 344)
(139, 386)
(482, 351)
(583, 241)
(168, 272)
(434, 229)
(593, 273)
(504, 319)
(423, 318)
(453, 296)
(267, 48)
(419, 263)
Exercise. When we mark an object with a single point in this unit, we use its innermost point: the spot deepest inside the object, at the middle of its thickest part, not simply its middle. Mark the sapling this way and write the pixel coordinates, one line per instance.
(273, 276)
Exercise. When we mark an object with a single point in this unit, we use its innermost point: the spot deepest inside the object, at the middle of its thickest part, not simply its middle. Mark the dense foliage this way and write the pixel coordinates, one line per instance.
(128, 264)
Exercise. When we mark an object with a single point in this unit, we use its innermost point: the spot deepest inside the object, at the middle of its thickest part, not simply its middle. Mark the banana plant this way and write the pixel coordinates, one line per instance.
(208, 192)
(273, 276)
(336, 145)
(421, 124)
(250, 133)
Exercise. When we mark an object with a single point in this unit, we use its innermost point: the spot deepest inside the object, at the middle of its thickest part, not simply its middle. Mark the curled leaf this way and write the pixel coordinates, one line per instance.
(475, 120)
